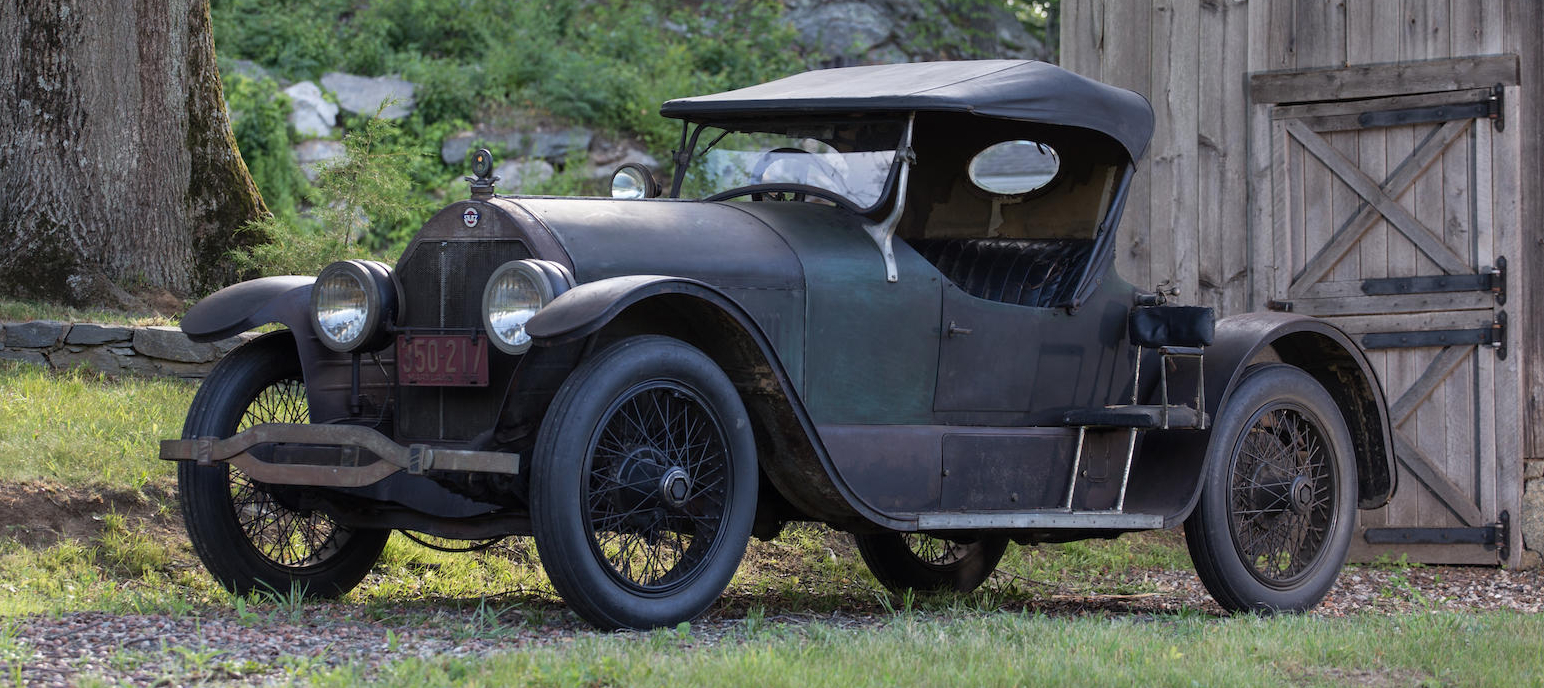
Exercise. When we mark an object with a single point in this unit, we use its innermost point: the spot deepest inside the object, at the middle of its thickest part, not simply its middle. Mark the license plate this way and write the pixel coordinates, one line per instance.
(442, 360)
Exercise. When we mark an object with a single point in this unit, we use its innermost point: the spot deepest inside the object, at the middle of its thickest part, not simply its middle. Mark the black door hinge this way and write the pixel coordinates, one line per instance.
(1496, 536)
(1492, 280)
(1492, 108)
(1493, 337)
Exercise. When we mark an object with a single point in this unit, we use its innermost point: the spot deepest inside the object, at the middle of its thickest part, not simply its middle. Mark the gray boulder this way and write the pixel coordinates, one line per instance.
(246, 68)
(89, 333)
(169, 343)
(311, 114)
(36, 334)
(841, 29)
(24, 356)
(455, 148)
(551, 144)
(522, 176)
(314, 153)
(364, 95)
(606, 162)
(96, 358)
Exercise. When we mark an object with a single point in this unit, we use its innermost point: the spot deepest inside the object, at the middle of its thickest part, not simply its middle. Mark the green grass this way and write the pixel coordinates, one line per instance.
(23, 311)
(1007, 649)
(77, 434)
(82, 428)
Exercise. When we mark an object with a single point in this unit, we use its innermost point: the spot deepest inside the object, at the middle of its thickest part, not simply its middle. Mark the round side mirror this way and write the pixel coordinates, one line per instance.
(632, 181)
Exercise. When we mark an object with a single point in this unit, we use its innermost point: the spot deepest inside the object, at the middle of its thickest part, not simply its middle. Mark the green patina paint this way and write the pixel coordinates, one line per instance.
(870, 346)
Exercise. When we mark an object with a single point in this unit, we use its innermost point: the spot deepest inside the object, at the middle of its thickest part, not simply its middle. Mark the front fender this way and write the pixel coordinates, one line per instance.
(241, 307)
(585, 309)
(287, 301)
(798, 465)
(1171, 462)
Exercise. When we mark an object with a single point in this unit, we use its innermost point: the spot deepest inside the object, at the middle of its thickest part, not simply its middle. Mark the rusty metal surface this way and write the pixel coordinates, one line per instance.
(393, 457)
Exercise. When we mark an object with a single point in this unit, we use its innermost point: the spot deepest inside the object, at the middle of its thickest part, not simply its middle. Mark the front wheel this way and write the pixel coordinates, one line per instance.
(250, 535)
(920, 562)
(1279, 500)
(643, 485)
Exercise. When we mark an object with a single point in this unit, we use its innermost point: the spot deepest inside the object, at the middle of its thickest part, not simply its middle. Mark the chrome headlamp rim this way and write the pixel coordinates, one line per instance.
(374, 279)
(550, 280)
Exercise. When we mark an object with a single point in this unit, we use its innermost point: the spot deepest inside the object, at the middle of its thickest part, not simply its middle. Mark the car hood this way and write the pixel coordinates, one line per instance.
(713, 242)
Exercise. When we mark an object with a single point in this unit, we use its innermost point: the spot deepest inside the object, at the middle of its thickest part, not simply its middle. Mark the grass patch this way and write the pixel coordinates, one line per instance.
(81, 428)
(23, 311)
(1025, 649)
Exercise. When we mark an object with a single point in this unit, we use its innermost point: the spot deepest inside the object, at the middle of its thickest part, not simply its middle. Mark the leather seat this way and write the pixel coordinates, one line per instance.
(1028, 272)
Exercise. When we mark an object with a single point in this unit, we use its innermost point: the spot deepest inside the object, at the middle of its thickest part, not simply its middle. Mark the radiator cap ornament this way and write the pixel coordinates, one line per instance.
(482, 183)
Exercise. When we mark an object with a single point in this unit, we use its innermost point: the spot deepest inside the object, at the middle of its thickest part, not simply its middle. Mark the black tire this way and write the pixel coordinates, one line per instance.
(926, 564)
(276, 548)
(1278, 505)
(643, 485)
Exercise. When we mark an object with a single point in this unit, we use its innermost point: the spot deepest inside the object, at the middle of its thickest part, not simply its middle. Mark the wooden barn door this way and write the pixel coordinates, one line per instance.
(1382, 221)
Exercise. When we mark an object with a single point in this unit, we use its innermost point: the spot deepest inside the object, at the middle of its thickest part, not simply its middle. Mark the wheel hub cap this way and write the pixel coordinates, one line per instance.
(1301, 494)
(674, 487)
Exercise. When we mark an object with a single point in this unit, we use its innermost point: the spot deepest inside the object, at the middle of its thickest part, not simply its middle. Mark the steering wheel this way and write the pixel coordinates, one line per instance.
(759, 171)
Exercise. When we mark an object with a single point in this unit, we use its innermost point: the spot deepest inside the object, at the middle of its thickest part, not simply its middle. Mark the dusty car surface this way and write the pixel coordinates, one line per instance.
(881, 298)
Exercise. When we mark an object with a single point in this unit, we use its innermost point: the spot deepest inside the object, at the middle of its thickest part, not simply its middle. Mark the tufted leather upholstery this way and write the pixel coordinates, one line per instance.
(1028, 272)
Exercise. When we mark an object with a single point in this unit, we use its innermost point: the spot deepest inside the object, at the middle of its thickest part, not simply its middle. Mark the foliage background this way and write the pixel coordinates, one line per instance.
(601, 64)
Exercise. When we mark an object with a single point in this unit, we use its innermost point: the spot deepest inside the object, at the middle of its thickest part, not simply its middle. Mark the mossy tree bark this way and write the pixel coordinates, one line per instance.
(118, 168)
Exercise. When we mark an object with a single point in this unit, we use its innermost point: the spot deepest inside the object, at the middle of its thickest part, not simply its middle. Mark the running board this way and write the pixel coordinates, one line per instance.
(1040, 520)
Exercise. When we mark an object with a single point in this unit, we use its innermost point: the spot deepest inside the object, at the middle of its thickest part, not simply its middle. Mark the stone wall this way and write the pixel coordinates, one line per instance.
(1531, 521)
(112, 349)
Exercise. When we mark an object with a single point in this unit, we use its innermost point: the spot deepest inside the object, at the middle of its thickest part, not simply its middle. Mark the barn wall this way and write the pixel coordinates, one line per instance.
(1525, 24)
(1187, 219)
(1190, 218)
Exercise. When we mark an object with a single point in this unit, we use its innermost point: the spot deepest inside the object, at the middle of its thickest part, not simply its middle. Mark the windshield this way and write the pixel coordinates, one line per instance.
(850, 160)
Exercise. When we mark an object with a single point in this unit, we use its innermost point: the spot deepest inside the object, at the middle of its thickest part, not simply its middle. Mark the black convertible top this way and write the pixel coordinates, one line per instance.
(1010, 89)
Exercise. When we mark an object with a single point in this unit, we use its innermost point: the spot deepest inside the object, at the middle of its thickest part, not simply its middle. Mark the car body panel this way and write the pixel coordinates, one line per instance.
(870, 346)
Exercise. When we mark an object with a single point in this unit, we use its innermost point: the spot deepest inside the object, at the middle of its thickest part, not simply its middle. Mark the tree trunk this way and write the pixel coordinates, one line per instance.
(118, 168)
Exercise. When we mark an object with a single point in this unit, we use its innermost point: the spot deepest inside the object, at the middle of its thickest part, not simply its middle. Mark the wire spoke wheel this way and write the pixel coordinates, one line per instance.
(283, 535)
(927, 563)
(656, 491)
(1273, 524)
(253, 535)
(935, 551)
(643, 484)
(1282, 497)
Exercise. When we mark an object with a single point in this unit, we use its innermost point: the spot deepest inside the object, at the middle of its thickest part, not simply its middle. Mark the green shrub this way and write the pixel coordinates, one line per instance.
(260, 118)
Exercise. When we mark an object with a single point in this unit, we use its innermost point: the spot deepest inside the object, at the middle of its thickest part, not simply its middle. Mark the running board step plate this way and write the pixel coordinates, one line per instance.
(1040, 520)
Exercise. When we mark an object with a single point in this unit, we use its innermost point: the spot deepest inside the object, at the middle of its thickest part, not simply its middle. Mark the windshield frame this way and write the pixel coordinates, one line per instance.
(691, 132)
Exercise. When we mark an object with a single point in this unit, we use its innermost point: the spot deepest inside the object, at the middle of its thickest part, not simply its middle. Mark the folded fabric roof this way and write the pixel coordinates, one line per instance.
(1022, 90)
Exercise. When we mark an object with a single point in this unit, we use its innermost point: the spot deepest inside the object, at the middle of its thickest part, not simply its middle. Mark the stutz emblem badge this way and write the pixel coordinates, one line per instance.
(470, 217)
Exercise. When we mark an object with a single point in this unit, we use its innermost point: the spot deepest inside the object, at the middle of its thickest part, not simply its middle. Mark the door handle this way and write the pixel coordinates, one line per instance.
(956, 330)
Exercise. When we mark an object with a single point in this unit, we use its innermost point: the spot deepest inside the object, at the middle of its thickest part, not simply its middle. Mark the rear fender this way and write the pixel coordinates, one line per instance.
(794, 460)
(287, 301)
(1171, 463)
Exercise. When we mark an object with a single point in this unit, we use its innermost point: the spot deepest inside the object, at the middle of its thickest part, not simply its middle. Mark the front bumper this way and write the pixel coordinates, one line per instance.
(330, 455)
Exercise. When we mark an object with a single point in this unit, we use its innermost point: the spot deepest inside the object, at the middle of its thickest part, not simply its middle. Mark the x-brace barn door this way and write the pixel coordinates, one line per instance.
(1382, 221)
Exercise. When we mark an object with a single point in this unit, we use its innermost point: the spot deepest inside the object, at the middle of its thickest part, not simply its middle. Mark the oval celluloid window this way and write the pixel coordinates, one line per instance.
(1011, 168)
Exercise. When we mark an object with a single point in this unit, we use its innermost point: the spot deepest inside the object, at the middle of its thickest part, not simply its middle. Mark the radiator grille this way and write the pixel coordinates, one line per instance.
(442, 281)
(442, 284)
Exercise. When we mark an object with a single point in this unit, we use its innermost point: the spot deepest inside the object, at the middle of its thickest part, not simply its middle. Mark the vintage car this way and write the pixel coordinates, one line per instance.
(880, 298)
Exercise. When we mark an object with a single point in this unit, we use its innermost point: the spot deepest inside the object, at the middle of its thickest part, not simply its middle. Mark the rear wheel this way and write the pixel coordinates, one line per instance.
(250, 535)
(643, 485)
(1278, 505)
(920, 562)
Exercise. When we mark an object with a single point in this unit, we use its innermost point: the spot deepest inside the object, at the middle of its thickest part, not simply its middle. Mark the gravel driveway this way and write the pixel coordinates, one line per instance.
(224, 646)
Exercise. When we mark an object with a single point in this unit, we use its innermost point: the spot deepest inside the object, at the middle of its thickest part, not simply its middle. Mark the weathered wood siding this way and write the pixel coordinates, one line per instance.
(1242, 189)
